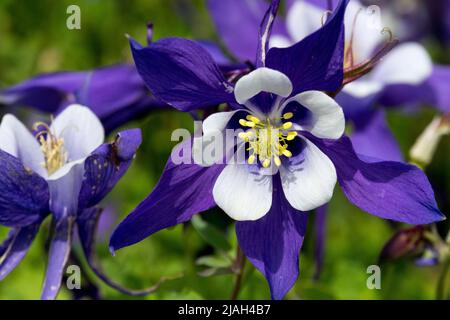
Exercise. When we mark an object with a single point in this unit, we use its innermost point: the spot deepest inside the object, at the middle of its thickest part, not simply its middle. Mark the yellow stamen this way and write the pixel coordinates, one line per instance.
(253, 119)
(288, 115)
(53, 149)
(267, 139)
(243, 136)
(287, 153)
(242, 122)
(277, 161)
(266, 163)
(291, 135)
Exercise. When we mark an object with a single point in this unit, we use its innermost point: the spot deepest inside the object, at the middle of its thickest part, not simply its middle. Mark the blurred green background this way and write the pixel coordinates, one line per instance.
(34, 39)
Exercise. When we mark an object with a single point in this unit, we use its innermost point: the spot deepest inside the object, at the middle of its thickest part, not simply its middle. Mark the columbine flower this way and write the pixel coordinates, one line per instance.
(405, 75)
(424, 244)
(64, 169)
(283, 176)
(116, 94)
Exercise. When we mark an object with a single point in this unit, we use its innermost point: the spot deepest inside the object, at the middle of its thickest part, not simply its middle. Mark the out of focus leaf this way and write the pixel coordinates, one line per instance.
(316, 293)
(210, 234)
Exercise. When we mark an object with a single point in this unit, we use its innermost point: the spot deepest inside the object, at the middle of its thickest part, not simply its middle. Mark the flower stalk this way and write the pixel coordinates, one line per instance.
(238, 269)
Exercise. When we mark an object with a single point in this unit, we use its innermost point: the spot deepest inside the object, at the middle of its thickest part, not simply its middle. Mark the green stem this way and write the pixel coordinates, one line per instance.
(442, 283)
(238, 268)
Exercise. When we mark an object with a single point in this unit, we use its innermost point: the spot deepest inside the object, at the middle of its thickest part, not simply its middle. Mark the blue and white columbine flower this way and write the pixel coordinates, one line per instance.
(64, 169)
(286, 173)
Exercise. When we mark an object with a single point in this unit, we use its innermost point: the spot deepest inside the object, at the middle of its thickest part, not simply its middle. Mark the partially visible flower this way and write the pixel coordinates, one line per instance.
(65, 169)
(296, 151)
(116, 94)
(406, 242)
(421, 243)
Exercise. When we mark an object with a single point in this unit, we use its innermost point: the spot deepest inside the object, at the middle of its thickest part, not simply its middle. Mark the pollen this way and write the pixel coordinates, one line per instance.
(53, 149)
(291, 135)
(267, 139)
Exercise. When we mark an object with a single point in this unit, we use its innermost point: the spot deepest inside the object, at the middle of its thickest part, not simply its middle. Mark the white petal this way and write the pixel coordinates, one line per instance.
(303, 19)
(64, 186)
(65, 169)
(363, 28)
(408, 63)
(217, 122)
(211, 147)
(363, 87)
(327, 116)
(310, 184)
(243, 195)
(279, 41)
(262, 79)
(81, 130)
(18, 141)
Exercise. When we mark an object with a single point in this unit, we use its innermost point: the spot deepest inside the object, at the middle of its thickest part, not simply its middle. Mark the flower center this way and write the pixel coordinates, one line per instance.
(267, 139)
(55, 155)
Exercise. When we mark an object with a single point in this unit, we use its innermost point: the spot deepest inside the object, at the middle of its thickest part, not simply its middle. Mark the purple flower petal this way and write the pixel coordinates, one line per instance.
(57, 259)
(388, 189)
(316, 62)
(373, 138)
(323, 4)
(182, 191)
(438, 85)
(430, 258)
(181, 73)
(87, 222)
(24, 195)
(265, 30)
(16, 247)
(215, 52)
(237, 22)
(353, 106)
(273, 243)
(106, 165)
(116, 93)
(46, 92)
(435, 91)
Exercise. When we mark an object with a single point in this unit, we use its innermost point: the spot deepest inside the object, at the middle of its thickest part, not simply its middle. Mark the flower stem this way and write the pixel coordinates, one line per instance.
(238, 268)
(442, 283)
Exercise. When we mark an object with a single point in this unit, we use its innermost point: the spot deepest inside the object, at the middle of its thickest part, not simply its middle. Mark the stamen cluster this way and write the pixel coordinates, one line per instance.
(267, 139)
(53, 149)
